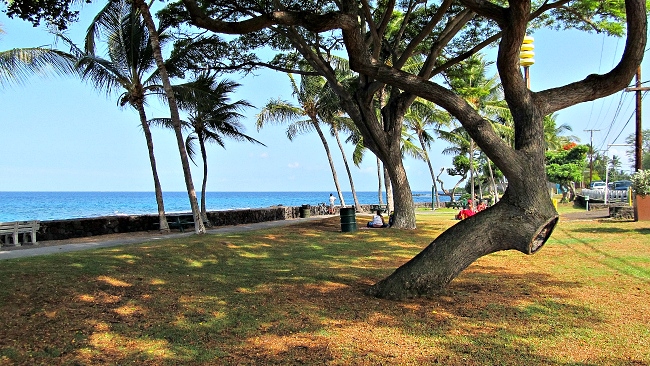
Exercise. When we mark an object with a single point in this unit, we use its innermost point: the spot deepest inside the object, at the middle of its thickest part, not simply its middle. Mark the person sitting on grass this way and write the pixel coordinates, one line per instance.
(466, 212)
(377, 221)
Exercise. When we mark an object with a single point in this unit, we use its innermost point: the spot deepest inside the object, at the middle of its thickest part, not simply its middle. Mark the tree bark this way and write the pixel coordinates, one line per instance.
(199, 228)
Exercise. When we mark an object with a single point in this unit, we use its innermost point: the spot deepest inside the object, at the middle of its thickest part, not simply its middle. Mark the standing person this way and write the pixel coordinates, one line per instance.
(332, 199)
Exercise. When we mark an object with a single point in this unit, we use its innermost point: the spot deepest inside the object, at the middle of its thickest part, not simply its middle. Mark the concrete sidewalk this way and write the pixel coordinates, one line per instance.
(31, 251)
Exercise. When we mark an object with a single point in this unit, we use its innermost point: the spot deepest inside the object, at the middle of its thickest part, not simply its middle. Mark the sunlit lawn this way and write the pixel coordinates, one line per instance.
(296, 296)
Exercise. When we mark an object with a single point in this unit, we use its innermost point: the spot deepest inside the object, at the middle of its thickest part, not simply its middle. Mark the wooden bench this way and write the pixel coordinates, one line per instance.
(13, 229)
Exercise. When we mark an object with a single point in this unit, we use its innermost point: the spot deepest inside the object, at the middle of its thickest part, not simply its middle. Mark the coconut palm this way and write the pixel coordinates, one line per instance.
(129, 68)
(18, 64)
(211, 118)
(199, 227)
(332, 115)
(422, 115)
(469, 80)
(308, 92)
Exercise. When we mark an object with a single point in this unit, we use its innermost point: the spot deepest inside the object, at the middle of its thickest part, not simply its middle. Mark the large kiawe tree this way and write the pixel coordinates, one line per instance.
(525, 217)
(379, 40)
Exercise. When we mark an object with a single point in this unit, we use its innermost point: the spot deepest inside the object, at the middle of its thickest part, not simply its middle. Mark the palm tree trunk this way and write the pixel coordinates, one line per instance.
(199, 228)
(433, 175)
(204, 156)
(381, 198)
(495, 189)
(390, 202)
(357, 205)
(162, 219)
(471, 169)
(329, 158)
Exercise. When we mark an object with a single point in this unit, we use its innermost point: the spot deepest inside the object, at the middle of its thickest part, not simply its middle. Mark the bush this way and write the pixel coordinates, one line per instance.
(641, 182)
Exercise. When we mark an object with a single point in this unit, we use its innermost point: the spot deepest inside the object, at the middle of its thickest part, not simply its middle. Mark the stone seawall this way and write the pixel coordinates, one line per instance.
(85, 227)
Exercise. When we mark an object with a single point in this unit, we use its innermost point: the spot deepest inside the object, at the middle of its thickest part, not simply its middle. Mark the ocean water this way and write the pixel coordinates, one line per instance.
(22, 206)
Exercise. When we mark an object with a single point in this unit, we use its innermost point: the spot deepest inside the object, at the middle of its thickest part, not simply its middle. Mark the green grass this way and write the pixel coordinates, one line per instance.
(296, 296)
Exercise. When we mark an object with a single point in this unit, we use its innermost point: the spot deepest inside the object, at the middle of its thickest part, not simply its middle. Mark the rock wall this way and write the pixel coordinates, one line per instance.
(84, 227)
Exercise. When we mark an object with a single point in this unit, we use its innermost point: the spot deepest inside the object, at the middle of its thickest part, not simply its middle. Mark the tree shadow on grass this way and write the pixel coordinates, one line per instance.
(594, 253)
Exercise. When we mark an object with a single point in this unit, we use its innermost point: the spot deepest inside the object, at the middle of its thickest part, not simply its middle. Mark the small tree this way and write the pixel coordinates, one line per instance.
(565, 167)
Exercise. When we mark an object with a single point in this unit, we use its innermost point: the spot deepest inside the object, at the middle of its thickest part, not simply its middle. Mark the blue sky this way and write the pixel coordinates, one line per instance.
(58, 134)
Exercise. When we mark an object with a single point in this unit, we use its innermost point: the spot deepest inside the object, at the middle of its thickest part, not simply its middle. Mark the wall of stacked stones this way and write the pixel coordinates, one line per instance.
(84, 227)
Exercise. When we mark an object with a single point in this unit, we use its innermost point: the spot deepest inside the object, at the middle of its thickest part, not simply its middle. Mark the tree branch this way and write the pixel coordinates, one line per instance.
(598, 86)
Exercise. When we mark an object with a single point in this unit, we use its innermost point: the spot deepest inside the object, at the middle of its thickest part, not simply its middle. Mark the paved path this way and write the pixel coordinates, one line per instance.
(97, 242)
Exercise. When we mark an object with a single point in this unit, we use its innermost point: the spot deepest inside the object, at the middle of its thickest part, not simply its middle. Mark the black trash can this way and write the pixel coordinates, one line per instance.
(305, 211)
(348, 219)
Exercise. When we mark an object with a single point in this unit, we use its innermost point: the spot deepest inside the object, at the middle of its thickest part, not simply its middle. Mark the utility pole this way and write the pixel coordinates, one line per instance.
(591, 153)
(638, 146)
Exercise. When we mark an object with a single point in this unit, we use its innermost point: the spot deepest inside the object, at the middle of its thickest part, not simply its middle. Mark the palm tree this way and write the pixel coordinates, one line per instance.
(211, 118)
(308, 93)
(422, 115)
(554, 135)
(468, 79)
(129, 67)
(199, 227)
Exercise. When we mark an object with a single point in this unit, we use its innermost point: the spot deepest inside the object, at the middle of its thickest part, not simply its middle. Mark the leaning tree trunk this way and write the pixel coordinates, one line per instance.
(162, 219)
(199, 228)
(522, 220)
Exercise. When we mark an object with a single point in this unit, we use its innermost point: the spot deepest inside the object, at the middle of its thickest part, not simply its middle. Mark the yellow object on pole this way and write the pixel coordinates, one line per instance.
(526, 55)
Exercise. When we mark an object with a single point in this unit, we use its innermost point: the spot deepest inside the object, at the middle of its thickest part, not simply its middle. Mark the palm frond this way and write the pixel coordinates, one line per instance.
(18, 64)
(279, 112)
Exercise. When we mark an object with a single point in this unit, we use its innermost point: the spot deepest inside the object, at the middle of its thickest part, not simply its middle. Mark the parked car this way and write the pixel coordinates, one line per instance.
(622, 185)
(597, 185)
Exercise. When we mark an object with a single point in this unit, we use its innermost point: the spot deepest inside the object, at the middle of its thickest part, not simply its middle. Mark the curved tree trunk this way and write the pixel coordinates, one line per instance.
(199, 228)
(357, 205)
(162, 219)
(523, 220)
(329, 159)
(204, 184)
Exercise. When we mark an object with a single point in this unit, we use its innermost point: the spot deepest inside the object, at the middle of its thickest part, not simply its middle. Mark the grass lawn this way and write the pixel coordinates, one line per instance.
(296, 296)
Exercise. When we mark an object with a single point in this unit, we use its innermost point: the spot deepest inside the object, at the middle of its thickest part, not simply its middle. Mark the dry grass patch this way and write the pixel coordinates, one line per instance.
(296, 296)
